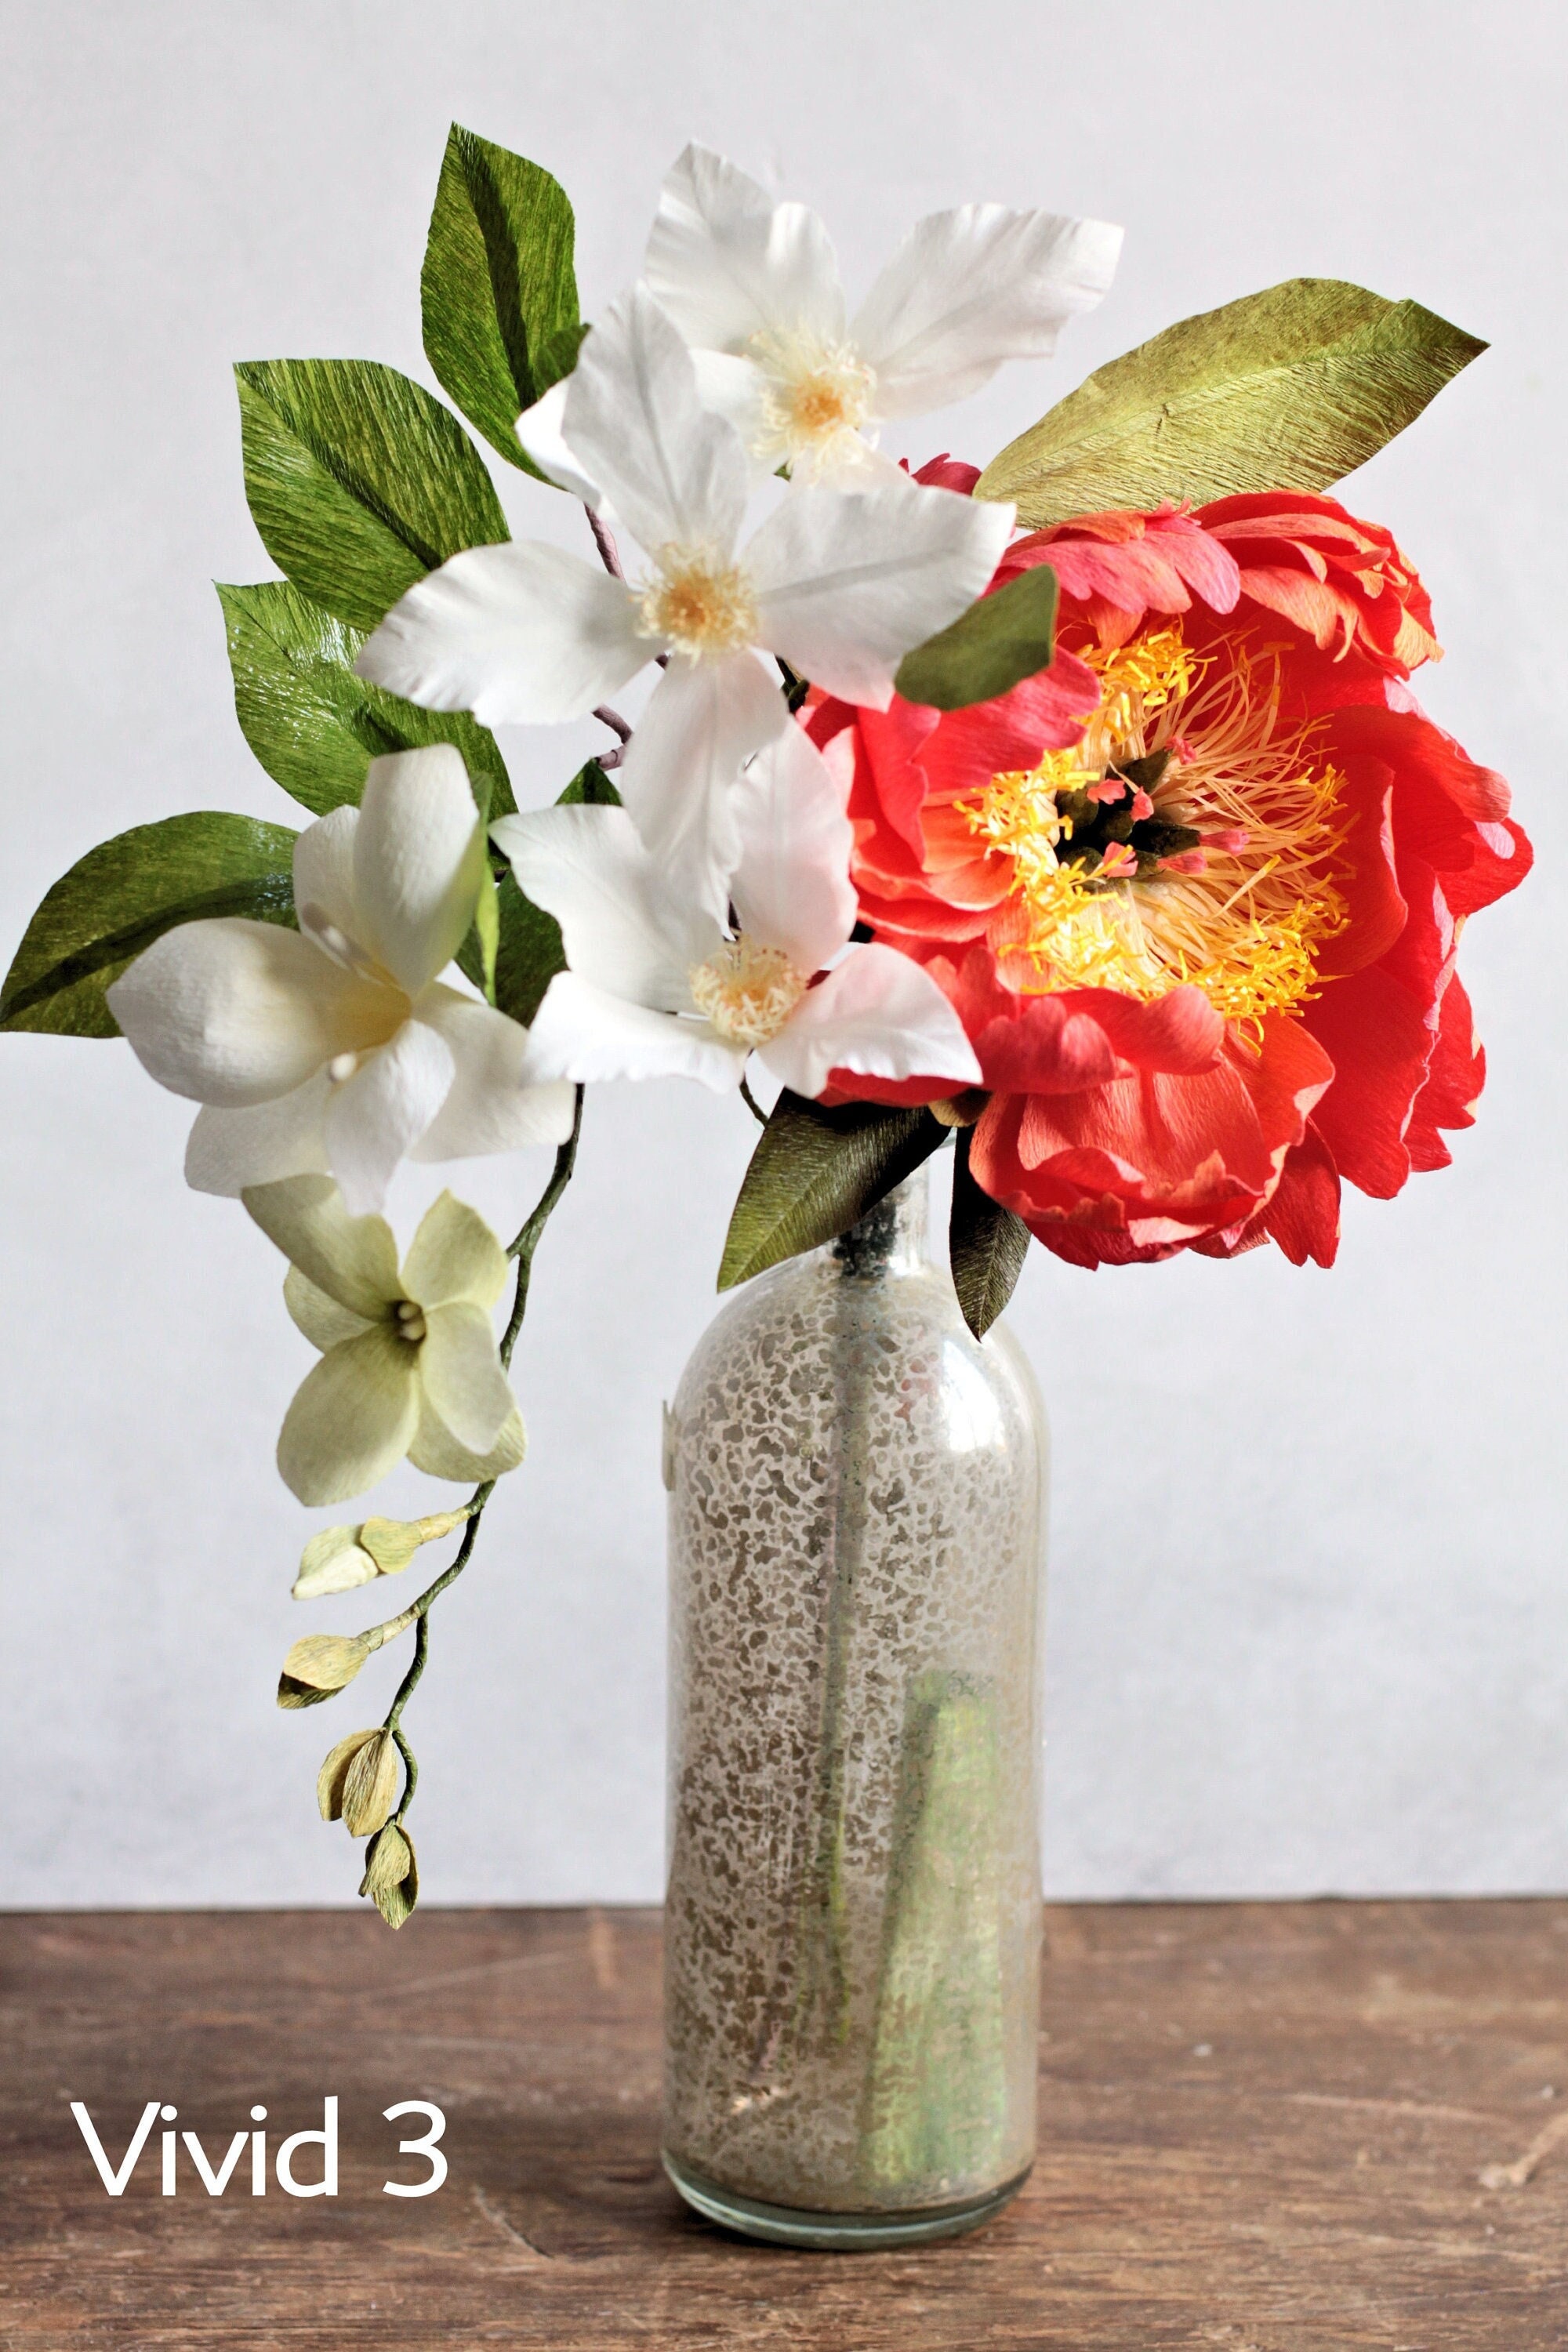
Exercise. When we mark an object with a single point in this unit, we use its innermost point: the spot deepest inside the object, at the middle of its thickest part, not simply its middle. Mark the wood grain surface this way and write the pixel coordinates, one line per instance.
(1264, 2128)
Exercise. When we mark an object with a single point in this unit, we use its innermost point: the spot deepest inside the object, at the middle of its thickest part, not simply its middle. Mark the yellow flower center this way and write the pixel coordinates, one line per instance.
(817, 394)
(699, 604)
(747, 990)
(1188, 836)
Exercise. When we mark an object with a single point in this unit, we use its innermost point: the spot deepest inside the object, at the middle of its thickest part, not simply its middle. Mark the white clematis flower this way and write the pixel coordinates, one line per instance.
(335, 1046)
(842, 587)
(656, 987)
(410, 1363)
(753, 287)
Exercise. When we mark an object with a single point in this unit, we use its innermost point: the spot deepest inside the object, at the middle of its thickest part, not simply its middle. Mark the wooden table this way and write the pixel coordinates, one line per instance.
(1264, 2126)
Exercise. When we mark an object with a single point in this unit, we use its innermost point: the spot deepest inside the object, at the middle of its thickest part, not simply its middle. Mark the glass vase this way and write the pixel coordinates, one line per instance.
(856, 1504)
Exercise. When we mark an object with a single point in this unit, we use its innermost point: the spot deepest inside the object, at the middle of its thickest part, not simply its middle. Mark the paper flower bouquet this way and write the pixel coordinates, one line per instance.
(1077, 809)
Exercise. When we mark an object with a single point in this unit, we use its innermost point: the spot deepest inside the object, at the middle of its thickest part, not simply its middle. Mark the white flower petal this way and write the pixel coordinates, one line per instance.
(539, 430)
(317, 1315)
(461, 1373)
(583, 1033)
(675, 473)
(703, 720)
(622, 925)
(418, 858)
(970, 288)
(726, 262)
(493, 1105)
(259, 1143)
(436, 1452)
(324, 874)
(847, 585)
(373, 1117)
(454, 1256)
(792, 886)
(877, 1013)
(352, 1259)
(232, 1011)
(520, 635)
(352, 1419)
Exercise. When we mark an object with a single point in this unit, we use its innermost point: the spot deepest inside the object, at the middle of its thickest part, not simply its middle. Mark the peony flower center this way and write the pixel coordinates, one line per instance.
(699, 604)
(747, 990)
(1188, 836)
(816, 396)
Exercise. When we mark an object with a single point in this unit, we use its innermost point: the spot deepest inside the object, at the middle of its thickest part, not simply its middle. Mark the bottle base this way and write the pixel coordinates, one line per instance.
(787, 2225)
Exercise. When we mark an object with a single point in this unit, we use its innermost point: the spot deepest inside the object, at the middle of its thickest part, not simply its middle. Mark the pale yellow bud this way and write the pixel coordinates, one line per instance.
(320, 1665)
(334, 1561)
(391, 1875)
(370, 1786)
(330, 1780)
(392, 1543)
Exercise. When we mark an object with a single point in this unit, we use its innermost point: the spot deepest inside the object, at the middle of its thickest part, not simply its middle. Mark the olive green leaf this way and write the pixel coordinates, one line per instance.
(1288, 389)
(814, 1173)
(127, 893)
(1000, 639)
(359, 481)
(497, 288)
(528, 950)
(314, 725)
(987, 1245)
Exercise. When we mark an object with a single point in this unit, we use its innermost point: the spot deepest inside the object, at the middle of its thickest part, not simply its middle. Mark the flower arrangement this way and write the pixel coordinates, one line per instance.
(1076, 809)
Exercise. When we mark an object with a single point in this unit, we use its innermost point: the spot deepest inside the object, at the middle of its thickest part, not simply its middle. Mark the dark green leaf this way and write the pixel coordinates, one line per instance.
(359, 481)
(125, 893)
(1000, 640)
(986, 1245)
(814, 1173)
(529, 951)
(315, 726)
(1288, 389)
(497, 288)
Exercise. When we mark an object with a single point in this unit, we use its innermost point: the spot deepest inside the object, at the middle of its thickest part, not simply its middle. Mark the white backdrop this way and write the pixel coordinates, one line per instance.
(1307, 1610)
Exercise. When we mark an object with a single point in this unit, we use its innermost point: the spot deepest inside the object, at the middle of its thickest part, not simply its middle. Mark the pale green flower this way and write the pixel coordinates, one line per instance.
(409, 1364)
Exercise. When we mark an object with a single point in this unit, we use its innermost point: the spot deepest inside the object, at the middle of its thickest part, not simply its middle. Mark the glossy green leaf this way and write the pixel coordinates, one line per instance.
(1288, 389)
(986, 1245)
(1000, 640)
(497, 288)
(814, 1173)
(125, 893)
(529, 951)
(315, 726)
(359, 481)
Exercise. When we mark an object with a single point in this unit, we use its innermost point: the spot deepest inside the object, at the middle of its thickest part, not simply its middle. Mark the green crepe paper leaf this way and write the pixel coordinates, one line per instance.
(127, 893)
(1287, 389)
(814, 1173)
(486, 931)
(1000, 640)
(315, 726)
(528, 950)
(359, 481)
(986, 1245)
(498, 289)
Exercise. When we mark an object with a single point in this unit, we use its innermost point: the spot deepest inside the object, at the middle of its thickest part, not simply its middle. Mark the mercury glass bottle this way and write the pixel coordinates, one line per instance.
(853, 1923)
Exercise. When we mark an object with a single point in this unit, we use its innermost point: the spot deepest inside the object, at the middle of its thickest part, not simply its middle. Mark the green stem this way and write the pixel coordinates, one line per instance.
(752, 1105)
(522, 1249)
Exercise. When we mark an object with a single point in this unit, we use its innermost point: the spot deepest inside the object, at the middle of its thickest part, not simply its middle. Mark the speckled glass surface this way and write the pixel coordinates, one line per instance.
(852, 1932)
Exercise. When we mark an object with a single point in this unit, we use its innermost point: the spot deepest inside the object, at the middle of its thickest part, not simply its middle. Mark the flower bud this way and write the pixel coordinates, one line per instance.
(370, 1786)
(320, 1665)
(392, 1543)
(330, 1780)
(338, 1559)
(391, 1875)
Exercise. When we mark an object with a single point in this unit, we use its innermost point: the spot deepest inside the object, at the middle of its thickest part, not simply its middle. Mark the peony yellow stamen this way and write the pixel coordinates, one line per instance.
(1247, 921)
(699, 603)
(747, 990)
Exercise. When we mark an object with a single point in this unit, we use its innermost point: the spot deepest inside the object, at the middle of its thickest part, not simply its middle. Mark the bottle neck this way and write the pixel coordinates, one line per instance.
(892, 1237)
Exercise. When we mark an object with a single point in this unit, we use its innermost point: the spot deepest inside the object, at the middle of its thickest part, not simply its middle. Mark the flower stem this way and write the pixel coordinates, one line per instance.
(522, 1250)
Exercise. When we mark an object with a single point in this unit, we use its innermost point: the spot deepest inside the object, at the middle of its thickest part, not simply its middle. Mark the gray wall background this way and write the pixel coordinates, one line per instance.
(1308, 1608)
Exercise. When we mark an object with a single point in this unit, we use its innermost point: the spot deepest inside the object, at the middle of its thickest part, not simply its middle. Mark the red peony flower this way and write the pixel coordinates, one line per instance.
(1196, 888)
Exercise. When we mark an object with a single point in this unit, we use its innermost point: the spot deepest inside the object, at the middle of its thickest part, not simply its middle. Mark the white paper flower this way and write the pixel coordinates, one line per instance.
(842, 587)
(753, 287)
(335, 1046)
(656, 987)
(409, 1364)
